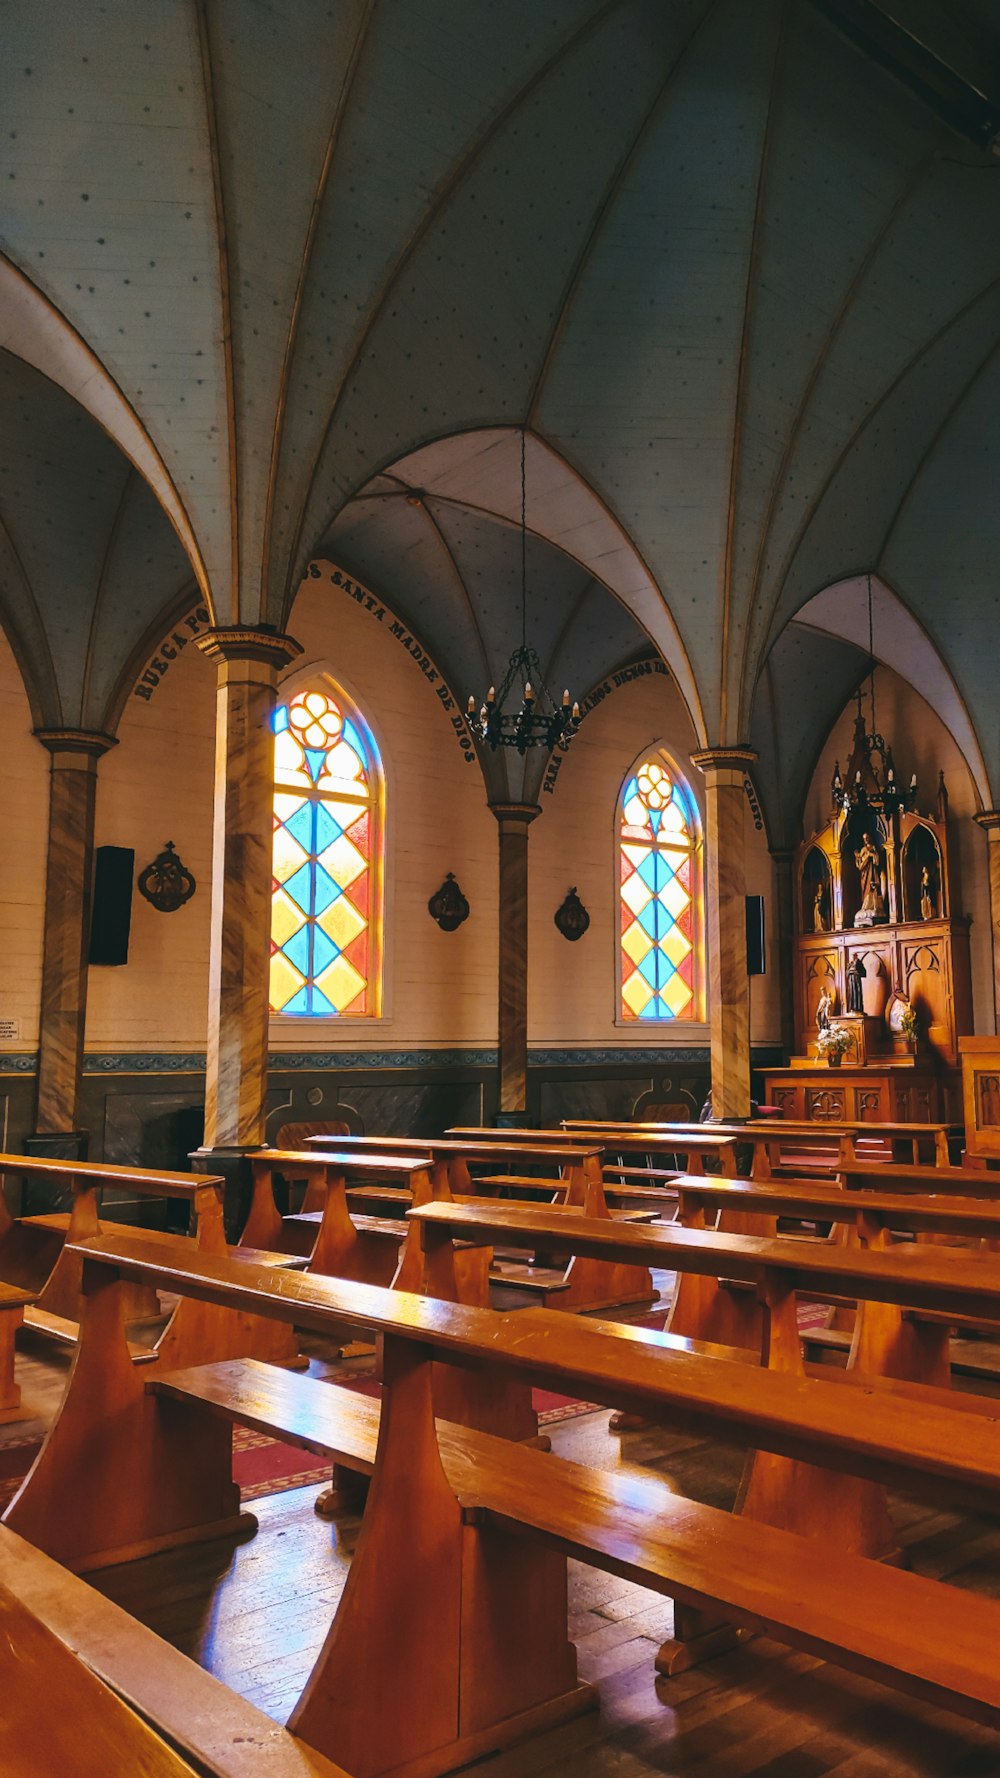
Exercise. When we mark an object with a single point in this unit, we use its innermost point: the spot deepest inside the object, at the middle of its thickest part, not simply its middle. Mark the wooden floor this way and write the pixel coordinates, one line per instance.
(256, 1616)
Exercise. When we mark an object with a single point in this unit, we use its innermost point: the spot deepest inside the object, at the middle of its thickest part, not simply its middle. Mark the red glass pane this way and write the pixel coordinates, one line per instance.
(360, 832)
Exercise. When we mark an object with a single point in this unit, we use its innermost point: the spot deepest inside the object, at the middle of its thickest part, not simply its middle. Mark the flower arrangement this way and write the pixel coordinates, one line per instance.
(834, 1042)
(909, 1028)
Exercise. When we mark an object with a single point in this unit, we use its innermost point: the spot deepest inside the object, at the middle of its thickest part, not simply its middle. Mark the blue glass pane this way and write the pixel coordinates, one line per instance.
(353, 739)
(631, 789)
(663, 1010)
(326, 889)
(320, 1003)
(301, 827)
(299, 887)
(314, 761)
(281, 719)
(324, 950)
(299, 1002)
(655, 817)
(297, 950)
(667, 969)
(655, 872)
(327, 829)
(650, 968)
(649, 1010)
(655, 920)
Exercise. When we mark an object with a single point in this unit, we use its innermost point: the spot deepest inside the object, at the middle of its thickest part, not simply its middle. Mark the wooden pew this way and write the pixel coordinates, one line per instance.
(822, 1147)
(457, 1600)
(13, 1304)
(35, 1253)
(343, 1244)
(577, 1163)
(966, 1182)
(124, 1699)
(697, 1142)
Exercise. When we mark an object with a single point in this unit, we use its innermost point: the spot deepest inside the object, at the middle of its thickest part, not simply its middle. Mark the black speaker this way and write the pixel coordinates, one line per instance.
(111, 906)
(756, 964)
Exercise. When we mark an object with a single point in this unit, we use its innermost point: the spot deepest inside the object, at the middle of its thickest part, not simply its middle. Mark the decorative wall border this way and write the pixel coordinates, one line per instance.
(306, 1061)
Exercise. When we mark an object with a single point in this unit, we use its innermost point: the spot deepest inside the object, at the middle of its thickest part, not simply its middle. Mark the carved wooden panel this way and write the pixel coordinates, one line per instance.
(981, 1095)
(826, 1104)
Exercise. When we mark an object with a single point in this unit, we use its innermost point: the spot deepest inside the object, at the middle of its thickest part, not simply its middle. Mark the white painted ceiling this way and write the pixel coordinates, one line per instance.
(291, 257)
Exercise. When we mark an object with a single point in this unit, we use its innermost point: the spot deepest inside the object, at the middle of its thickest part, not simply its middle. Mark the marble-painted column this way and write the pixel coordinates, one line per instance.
(989, 821)
(784, 924)
(725, 922)
(513, 820)
(69, 866)
(248, 663)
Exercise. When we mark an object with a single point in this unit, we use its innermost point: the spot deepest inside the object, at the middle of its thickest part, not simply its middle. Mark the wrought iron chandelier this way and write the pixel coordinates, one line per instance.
(869, 785)
(538, 721)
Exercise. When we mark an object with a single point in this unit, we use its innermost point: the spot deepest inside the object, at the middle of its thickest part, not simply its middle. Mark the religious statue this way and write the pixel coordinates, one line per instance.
(855, 986)
(872, 909)
(928, 909)
(819, 922)
(825, 1008)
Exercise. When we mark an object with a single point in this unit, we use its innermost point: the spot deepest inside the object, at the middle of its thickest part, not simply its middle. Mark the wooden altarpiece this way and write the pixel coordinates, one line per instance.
(912, 946)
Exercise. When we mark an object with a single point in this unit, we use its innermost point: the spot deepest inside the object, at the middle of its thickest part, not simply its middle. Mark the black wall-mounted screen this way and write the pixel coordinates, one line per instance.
(756, 961)
(111, 907)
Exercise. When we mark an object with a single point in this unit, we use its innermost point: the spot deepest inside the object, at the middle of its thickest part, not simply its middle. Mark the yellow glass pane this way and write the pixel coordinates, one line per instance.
(285, 981)
(343, 861)
(289, 765)
(288, 856)
(675, 898)
(342, 921)
(342, 767)
(635, 854)
(636, 992)
(286, 918)
(635, 812)
(285, 804)
(635, 894)
(677, 995)
(636, 942)
(672, 820)
(341, 983)
(675, 946)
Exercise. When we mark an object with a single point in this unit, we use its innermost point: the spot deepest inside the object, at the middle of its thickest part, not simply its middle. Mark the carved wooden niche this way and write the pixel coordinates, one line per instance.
(819, 972)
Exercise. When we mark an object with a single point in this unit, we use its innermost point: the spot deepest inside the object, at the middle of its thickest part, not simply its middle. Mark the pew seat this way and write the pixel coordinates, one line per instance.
(892, 1625)
(14, 1305)
(215, 1730)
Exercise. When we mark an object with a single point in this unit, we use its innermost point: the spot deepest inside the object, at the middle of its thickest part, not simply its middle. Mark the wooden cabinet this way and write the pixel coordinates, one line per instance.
(981, 1096)
(926, 961)
(904, 1089)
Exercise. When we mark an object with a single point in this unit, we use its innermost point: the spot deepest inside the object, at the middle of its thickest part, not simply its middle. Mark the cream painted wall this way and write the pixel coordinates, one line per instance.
(573, 988)
(155, 786)
(22, 858)
(921, 743)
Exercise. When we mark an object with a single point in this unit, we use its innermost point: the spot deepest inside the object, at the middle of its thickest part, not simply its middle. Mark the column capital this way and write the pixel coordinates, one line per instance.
(268, 648)
(725, 759)
(782, 854)
(518, 814)
(989, 821)
(91, 742)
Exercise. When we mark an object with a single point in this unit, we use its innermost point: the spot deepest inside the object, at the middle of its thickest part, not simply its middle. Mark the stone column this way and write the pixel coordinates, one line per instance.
(725, 923)
(513, 819)
(989, 821)
(66, 932)
(785, 931)
(248, 662)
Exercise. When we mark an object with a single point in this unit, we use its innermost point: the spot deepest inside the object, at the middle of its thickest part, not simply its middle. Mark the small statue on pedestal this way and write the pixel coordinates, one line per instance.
(819, 921)
(855, 986)
(928, 907)
(872, 909)
(825, 1008)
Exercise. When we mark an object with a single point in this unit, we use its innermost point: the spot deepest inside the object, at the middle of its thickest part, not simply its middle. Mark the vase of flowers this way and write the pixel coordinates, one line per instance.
(909, 1029)
(833, 1044)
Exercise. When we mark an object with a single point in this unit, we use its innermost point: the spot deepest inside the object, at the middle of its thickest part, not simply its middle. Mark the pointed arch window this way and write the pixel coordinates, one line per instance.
(326, 914)
(659, 859)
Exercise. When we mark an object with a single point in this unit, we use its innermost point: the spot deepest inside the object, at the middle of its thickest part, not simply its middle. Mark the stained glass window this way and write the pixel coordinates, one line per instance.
(325, 925)
(659, 874)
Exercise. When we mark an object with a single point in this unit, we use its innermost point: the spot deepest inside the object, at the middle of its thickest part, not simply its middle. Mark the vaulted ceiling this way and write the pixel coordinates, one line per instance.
(288, 262)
